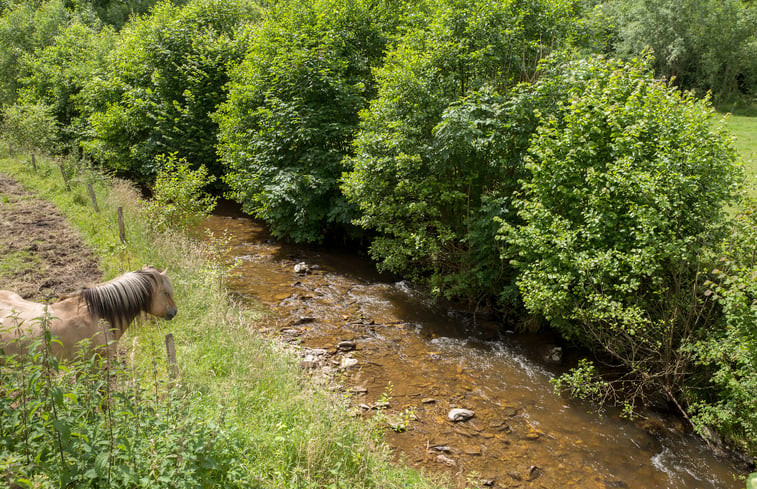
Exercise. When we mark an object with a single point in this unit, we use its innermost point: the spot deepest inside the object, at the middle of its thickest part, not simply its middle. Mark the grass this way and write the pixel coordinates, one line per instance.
(744, 130)
(284, 431)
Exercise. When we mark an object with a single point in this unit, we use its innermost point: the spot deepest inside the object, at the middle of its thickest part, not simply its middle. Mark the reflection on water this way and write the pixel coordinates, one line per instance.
(428, 361)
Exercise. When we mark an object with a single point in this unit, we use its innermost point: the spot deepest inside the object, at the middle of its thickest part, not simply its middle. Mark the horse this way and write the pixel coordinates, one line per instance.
(77, 316)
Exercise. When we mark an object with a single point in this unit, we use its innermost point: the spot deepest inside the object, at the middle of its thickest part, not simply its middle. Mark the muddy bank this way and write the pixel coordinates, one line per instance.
(405, 359)
(41, 257)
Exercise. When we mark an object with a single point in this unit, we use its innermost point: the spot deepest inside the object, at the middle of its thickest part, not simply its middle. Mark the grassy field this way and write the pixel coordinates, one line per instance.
(744, 130)
(278, 429)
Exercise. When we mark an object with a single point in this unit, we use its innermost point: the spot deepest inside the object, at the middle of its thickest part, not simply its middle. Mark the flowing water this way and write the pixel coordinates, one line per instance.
(417, 361)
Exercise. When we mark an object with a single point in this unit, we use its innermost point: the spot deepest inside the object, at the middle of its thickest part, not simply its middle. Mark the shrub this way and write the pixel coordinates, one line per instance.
(293, 110)
(164, 78)
(727, 353)
(626, 192)
(437, 155)
(179, 200)
(30, 126)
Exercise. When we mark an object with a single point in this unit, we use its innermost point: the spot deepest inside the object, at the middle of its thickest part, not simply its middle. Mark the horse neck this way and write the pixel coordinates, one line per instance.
(118, 324)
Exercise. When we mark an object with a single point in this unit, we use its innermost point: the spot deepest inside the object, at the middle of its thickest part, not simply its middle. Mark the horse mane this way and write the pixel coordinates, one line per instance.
(121, 300)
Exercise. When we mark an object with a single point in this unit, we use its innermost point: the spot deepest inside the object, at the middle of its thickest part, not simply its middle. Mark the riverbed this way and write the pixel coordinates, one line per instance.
(405, 358)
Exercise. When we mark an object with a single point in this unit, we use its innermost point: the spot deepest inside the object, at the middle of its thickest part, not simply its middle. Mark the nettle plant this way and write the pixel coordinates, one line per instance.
(95, 422)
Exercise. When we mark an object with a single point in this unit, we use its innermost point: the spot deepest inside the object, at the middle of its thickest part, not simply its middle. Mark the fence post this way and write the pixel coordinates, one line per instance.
(34, 162)
(93, 197)
(121, 226)
(173, 368)
(63, 174)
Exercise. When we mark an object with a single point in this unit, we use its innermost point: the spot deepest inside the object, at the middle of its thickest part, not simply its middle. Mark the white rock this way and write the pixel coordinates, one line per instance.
(348, 362)
(459, 414)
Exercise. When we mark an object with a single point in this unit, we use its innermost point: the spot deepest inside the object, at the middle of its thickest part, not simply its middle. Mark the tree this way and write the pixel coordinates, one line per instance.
(25, 27)
(436, 157)
(293, 110)
(58, 72)
(165, 77)
(707, 45)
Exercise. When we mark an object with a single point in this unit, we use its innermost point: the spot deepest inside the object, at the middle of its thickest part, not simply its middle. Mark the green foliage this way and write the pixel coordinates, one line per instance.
(751, 482)
(626, 193)
(25, 27)
(178, 199)
(293, 111)
(90, 423)
(437, 157)
(30, 126)
(708, 45)
(57, 73)
(165, 77)
(117, 12)
(729, 349)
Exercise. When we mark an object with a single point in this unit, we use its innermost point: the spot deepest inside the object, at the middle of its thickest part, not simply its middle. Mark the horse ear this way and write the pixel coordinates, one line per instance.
(164, 271)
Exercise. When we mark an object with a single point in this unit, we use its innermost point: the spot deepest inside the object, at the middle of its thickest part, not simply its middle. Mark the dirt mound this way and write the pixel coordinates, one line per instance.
(41, 257)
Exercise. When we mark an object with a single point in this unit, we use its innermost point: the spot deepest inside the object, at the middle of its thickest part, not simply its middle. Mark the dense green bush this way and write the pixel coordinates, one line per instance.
(626, 192)
(728, 350)
(25, 27)
(432, 167)
(164, 78)
(293, 111)
(30, 127)
(58, 72)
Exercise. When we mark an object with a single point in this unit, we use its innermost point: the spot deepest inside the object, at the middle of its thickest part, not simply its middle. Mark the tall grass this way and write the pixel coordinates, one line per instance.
(273, 426)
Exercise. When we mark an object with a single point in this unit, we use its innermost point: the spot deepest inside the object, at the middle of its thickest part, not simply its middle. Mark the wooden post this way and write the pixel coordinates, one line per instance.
(121, 226)
(93, 197)
(173, 368)
(63, 174)
(34, 162)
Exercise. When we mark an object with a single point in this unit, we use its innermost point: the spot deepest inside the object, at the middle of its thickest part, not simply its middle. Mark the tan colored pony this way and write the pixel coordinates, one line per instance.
(77, 316)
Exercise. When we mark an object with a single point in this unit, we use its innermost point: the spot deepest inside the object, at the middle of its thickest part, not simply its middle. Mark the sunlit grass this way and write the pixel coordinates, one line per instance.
(744, 130)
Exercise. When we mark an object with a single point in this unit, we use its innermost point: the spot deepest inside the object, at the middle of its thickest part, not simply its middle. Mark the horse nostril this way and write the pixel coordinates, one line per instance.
(171, 313)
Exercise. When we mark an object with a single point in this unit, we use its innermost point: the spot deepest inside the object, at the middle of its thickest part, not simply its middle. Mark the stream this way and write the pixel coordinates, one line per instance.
(416, 361)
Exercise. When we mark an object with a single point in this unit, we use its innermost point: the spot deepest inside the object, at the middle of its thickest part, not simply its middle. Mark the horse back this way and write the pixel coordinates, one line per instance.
(18, 316)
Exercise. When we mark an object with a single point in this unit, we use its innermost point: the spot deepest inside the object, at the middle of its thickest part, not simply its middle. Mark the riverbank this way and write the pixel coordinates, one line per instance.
(291, 433)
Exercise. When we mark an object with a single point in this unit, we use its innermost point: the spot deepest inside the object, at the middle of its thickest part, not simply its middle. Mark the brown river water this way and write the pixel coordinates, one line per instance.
(417, 360)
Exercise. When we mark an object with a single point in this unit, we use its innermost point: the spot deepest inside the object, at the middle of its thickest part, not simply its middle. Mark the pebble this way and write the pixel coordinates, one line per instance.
(346, 345)
(446, 461)
(302, 268)
(303, 320)
(441, 448)
(428, 400)
(459, 414)
(533, 473)
(309, 361)
(348, 363)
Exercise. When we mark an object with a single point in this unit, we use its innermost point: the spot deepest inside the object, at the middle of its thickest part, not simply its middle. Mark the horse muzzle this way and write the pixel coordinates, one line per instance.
(170, 313)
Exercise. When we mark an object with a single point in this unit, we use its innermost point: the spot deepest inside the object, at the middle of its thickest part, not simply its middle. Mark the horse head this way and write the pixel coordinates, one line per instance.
(161, 303)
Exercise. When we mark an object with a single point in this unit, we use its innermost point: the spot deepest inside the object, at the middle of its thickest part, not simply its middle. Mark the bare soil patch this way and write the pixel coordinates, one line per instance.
(41, 256)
